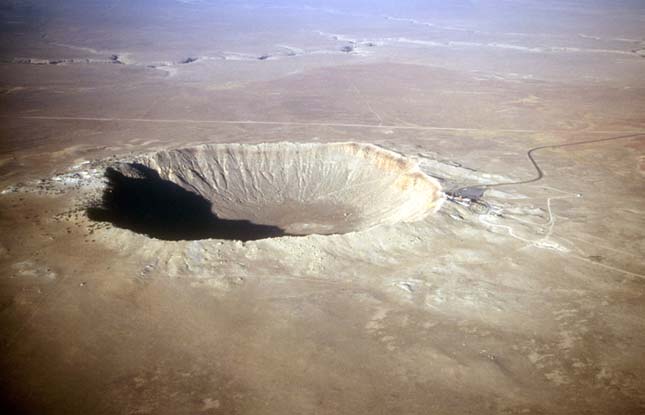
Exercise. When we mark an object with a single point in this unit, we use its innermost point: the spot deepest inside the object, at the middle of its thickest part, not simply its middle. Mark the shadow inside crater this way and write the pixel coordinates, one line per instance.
(145, 203)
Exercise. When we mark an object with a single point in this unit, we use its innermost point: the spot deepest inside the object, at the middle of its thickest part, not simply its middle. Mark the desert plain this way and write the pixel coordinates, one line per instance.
(522, 294)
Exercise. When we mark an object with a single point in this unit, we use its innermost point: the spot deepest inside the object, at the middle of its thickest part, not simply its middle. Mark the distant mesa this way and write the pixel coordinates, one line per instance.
(247, 192)
(39, 61)
(188, 60)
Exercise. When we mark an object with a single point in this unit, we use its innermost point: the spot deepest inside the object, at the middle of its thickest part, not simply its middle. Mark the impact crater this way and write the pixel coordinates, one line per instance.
(255, 191)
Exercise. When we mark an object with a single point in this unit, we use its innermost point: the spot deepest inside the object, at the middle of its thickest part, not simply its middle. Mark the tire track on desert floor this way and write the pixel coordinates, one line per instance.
(313, 124)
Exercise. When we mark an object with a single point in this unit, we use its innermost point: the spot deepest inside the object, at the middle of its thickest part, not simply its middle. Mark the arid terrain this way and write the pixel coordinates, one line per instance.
(523, 294)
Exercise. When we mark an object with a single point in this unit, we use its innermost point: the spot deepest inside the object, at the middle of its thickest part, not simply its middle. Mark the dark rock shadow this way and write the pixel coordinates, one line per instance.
(143, 202)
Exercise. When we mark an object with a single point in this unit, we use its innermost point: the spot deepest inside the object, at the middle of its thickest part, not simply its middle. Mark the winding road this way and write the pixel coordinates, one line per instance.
(540, 173)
